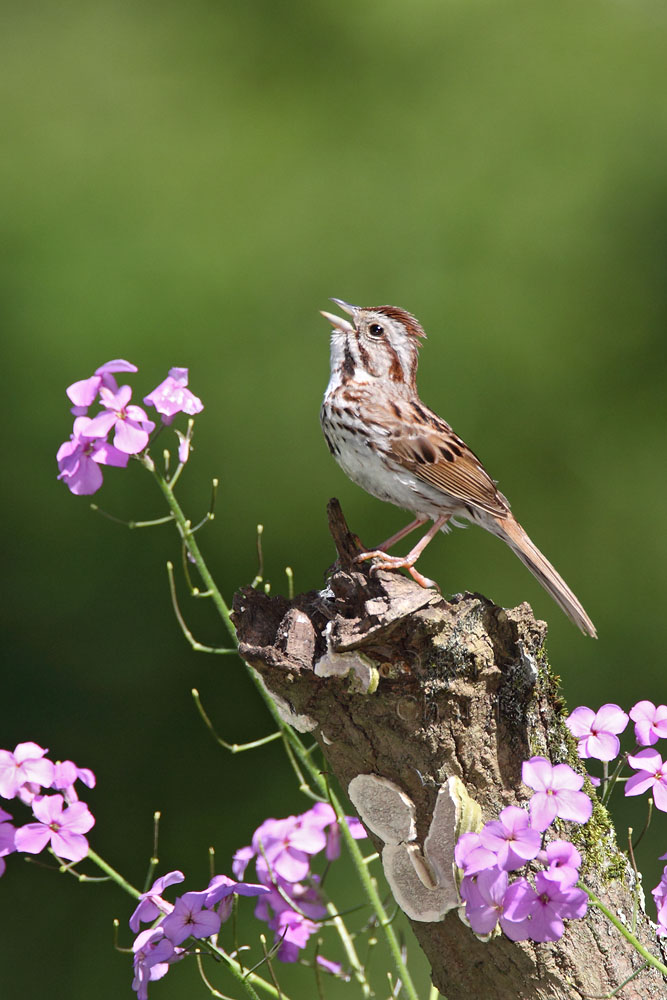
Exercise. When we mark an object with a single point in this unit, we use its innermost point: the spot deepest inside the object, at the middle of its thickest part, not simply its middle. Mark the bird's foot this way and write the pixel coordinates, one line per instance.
(394, 563)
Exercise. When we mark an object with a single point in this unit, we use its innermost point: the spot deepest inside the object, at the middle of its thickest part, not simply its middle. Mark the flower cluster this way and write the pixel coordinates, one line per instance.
(660, 898)
(197, 914)
(61, 820)
(523, 910)
(80, 458)
(282, 850)
(597, 737)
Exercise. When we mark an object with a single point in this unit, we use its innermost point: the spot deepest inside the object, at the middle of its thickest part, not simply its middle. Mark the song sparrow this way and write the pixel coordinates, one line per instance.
(387, 441)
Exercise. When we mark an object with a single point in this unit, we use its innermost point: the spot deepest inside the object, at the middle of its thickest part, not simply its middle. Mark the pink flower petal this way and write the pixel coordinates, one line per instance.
(310, 839)
(536, 773)
(84, 392)
(136, 413)
(78, 818)
(565, 777)
(292, 865)
(660, 795)
(579, 722)
(129, 438)
(611, 718)
(105, 454)
(118, 365)
(543, 811)
(32, 838)
(100, 425)
(639, 783)
(646, 760)
(574, 805)
(68, 845)
(48, 809)
(86, 479)
(604, 746)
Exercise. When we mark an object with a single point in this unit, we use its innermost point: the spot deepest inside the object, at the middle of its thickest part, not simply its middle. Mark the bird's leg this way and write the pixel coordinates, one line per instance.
(408, 562)
(417, 523)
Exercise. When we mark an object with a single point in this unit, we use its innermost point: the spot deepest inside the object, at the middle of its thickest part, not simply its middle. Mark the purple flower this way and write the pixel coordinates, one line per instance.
(241, 860)
(293, 931)
(651, 774)
(554, 903)
(288, 845)
(335, 968)
(7, 833)
(293, 924)
(184, 444)
(483, 895)
(470, 856)
(511, 838)
(221, 888)
(563, 861)
(130, 424)
(285, 845)
(26, 764)
(660, 898)
(151, 904)
(650, 722)
(66, 774)
(84, 393)
(282, 849)
(597, 731)
(153, 954)
(557, 793)
(171, 396)
(488, 898)
(323, 816)
(79, 459)
(189, 918)
(517, 903)
(62, 827)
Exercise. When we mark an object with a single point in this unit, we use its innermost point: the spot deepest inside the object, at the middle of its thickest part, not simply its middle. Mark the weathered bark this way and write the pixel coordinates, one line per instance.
(464, 690)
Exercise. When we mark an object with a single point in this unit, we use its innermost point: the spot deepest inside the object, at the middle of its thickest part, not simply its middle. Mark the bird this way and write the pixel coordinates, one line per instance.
(399, 450)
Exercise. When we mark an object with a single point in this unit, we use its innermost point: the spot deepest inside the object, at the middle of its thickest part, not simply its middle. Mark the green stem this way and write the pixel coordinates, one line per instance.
(628, 935)
(367, 882)
(350, 950)
(609, 783)
(246, 979)
(373, 896)
(113, 874)
(185, 529)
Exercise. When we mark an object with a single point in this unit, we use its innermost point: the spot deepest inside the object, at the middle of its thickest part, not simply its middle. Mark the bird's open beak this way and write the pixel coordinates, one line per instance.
(337, 321)
(346, 307)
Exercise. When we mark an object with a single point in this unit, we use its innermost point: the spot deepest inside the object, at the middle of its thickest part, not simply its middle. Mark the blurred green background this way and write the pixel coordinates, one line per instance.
(187, 184)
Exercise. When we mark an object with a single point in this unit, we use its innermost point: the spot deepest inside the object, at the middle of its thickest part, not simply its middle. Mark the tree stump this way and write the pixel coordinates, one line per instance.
(392, 680)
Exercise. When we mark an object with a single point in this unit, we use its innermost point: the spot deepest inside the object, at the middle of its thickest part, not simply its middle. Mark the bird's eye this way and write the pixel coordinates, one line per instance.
(375, 330)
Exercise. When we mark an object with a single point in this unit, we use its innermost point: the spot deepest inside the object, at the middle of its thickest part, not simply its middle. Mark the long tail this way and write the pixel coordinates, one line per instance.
(511, 532)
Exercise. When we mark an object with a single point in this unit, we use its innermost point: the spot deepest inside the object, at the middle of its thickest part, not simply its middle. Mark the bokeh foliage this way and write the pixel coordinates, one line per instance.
(187, 184)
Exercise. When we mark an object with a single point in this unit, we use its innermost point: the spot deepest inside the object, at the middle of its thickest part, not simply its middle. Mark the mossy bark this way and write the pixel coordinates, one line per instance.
(464, 689)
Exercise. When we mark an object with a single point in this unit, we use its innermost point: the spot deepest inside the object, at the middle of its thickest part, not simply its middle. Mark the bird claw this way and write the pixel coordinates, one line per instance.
(386, 562)
(422, 580)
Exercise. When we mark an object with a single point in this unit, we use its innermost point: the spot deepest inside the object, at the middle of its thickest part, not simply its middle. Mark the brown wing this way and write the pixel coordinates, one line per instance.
(429, 448)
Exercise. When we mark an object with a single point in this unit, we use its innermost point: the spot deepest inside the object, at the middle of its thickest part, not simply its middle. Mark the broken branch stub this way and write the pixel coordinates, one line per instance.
(438, 703)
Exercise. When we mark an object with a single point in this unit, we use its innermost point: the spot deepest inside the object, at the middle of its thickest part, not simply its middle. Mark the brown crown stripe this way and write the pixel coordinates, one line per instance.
(411, 324)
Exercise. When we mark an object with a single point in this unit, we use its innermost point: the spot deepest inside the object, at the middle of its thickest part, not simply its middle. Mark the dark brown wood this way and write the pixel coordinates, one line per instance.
(464, 689)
